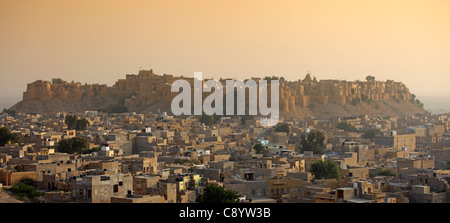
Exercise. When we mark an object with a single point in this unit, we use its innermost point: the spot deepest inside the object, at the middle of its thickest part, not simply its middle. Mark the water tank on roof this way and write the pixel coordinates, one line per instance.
(105, 148)
(393, 133)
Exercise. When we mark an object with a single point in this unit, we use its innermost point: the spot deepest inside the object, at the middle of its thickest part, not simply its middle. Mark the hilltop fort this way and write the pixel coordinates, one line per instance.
(148, 91)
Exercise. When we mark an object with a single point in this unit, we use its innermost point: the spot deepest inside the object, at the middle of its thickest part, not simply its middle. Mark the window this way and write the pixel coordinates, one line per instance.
(120, 183)
(89, 194)
(253, 192)
(116, 188)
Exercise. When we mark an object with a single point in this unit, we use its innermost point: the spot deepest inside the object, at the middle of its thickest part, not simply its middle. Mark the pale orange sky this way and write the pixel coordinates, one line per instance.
(99, 41)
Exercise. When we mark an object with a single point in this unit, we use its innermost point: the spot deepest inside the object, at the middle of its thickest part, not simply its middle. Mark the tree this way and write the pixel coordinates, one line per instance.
(327, 169)
(89, 151)
(65, 146)
(348, 127)
(370, 78)
(209, 119)
(206, 119)
(73, 122)
(284, 127)
(268, 78)
(314, 141)
(81, 124)
(6, 136)
(371, 133)
(58, 81)
(73, 145)
(215, 194)
(79, 144)
(387, 172)
(259, 148)
(25, 189)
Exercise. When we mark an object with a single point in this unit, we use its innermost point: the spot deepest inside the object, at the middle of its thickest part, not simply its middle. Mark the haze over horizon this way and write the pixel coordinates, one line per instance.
(101, 41)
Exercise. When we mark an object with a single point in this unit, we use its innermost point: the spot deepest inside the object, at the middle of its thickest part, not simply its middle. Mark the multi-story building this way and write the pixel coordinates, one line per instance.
(100, 188)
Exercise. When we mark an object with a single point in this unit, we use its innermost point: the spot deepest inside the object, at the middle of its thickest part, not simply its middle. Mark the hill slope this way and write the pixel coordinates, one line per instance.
(151, 92)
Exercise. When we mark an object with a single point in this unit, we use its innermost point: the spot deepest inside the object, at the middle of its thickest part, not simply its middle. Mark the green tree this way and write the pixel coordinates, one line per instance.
(259, 148)
(268, 78)
(25, 189)
(327, 169)
(6, 136)
(348, 127)
(71, 121)
(79, 144)
(215, 194)
(73, 145)
(387, 172)
(89, 151)
(65, 146)
(284, 127)
(209, 119)
(81, 124)
(206, 119)
(371, 133)
(58, 81)
(370, 78)
(314, 141)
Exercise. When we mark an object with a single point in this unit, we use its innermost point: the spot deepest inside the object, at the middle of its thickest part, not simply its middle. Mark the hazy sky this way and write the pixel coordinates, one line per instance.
(99, 41)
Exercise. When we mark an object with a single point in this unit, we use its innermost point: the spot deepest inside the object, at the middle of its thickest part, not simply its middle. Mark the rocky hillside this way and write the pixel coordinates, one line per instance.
(147, 91)
(387, 108)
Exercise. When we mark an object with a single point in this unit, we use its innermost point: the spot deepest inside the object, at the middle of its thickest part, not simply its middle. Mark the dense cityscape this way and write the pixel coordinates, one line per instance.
(222, 111)
(130, 157)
